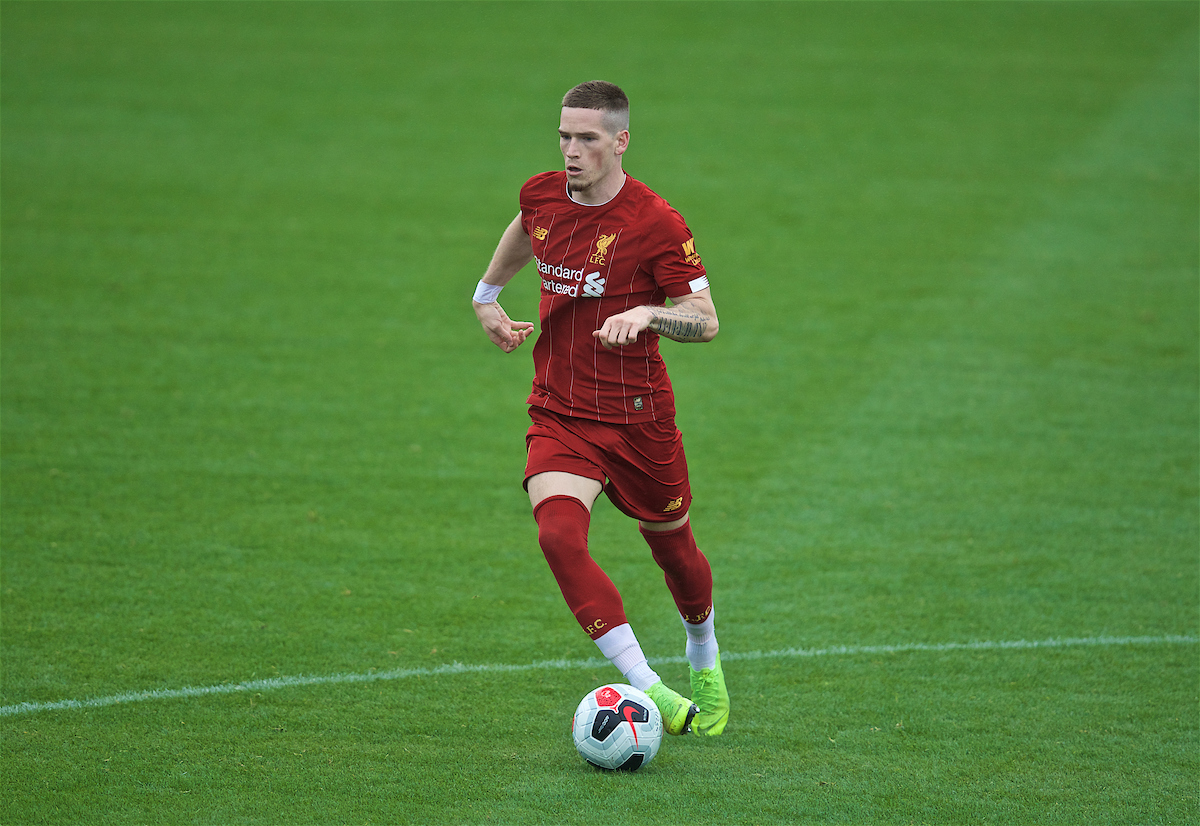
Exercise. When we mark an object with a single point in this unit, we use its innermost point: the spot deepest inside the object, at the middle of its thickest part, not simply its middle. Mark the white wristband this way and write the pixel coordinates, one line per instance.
(487, 293)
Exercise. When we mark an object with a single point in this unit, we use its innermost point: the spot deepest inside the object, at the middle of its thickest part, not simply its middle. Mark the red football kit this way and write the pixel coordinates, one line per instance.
(609, 415)
(596, 262)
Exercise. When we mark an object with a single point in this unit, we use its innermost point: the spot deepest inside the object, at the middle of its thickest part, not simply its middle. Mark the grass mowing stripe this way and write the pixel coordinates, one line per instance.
(541, 665)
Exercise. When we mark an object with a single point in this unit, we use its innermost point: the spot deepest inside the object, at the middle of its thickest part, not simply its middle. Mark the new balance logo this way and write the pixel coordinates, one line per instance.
(540, 233)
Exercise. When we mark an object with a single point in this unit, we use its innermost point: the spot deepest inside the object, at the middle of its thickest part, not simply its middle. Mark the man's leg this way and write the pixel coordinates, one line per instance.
(562, 508)
(689, 578)
(562, 504)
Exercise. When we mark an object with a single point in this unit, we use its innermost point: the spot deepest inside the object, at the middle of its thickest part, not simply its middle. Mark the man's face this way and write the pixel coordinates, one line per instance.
(591, 153)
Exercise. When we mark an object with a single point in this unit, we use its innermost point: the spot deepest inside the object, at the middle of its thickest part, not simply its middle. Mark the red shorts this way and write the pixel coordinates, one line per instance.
(641, 466)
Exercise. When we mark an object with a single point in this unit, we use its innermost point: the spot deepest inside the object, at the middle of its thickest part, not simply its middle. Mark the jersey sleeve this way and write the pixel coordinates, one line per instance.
(671, 256)
(533, 194)
(527, 208)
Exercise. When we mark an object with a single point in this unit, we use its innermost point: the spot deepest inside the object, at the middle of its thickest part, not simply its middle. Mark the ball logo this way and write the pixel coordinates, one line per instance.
(608, 697)
(608, 720)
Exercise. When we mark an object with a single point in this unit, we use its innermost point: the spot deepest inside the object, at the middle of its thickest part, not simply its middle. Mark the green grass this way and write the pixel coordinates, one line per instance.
(249, 427)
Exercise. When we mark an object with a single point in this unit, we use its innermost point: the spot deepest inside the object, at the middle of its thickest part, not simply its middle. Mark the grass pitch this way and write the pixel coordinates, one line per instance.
(251, 432)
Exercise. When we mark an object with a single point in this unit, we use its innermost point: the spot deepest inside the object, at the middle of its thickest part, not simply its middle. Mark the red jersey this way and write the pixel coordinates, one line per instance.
(595, 262)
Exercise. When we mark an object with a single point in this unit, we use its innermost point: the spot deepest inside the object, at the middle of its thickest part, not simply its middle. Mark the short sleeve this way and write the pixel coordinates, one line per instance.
(533, 194)
(671, 255)
(527, 209)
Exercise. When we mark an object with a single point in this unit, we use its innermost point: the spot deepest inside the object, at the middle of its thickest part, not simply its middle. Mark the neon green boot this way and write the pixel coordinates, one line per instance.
(677, 711)
(710, 694)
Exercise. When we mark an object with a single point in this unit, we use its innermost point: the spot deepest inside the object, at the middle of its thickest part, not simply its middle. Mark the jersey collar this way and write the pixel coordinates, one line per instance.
(624, 180)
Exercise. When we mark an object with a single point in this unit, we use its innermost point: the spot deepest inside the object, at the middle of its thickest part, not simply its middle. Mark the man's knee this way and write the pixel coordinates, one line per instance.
(674, 549)
(563, 523)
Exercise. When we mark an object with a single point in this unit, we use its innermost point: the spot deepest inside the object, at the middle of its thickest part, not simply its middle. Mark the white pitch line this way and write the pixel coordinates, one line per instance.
(594, 662)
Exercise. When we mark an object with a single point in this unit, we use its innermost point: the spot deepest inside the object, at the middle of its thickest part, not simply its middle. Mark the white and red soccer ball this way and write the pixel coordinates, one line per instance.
(617, 727)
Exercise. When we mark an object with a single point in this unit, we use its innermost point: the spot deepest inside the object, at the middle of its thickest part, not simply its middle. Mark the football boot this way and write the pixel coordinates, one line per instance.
(710, 694)
(677, 711)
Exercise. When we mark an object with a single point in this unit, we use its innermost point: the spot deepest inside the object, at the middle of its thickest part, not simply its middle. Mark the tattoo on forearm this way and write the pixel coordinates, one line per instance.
(678, 325)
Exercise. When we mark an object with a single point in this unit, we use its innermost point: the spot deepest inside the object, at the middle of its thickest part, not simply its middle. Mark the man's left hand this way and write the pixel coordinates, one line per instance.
(623, 328)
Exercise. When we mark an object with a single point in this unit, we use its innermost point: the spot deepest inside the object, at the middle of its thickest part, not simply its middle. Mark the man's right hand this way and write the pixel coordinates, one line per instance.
(505, 333)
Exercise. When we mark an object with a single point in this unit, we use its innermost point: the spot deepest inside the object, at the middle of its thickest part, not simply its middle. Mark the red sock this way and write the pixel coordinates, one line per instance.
(563, 523)
(688, 574)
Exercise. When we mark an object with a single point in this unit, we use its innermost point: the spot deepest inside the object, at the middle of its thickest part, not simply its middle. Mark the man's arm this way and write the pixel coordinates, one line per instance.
(514, 251)
(692, 317)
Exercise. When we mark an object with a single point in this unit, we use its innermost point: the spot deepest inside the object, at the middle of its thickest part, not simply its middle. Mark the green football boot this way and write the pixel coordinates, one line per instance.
(710, 694)
(677, 711)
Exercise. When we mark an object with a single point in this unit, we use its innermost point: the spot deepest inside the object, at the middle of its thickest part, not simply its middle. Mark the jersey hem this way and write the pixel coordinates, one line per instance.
(548, 403)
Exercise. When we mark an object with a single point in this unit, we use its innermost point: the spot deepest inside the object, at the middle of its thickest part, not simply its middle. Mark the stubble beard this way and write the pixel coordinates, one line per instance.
(586, 183)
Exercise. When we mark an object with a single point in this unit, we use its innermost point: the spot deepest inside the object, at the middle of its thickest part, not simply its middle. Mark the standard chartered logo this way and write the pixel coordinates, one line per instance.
(562, 280)
(594, 285)
(559, 272)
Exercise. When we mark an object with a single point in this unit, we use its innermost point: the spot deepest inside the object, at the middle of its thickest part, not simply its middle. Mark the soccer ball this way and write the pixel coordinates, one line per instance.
(617, 727)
